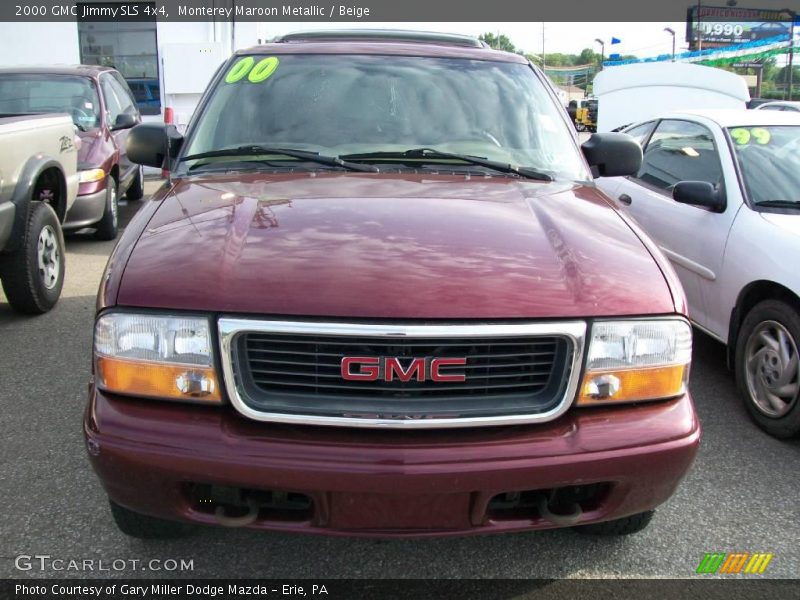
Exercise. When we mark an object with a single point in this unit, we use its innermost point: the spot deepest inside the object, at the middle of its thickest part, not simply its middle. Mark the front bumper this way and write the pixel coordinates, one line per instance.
(87, 210)
(151, 455)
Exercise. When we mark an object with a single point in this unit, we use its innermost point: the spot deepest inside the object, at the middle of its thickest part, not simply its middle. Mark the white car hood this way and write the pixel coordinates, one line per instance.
(789, 223)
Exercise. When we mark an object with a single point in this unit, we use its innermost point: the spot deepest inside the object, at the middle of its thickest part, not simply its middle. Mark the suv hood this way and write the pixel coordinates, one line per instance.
(391, 246)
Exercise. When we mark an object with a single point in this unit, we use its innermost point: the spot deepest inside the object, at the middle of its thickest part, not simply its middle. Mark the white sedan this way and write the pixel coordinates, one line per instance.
(787, 105)
(719, 192)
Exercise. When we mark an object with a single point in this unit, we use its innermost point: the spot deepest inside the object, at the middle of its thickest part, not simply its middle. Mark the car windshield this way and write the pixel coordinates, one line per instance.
(769, 158)
(44, 93)
(353, 106)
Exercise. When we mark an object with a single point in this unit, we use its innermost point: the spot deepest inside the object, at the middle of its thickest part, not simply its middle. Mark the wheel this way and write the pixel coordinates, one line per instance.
(136, 188)
(106, 228)
(623, 526)
(144, 527)
(767, 367)
(34, 274)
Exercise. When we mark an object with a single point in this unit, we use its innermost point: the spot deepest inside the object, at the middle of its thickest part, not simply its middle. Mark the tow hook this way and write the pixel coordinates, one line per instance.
(562, 520)
(245, 519)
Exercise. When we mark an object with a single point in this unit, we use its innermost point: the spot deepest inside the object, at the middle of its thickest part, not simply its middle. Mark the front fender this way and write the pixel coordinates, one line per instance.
(23, 192)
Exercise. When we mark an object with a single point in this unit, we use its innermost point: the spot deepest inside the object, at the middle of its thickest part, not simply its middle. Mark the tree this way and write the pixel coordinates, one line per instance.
(498, 42)
(783, 75)
(588, 57)
(770, 69)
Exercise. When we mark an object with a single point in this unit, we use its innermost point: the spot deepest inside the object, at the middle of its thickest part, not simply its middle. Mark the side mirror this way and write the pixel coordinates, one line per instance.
(612, 154)
(699, 193)
(153, 144)
(123, 121)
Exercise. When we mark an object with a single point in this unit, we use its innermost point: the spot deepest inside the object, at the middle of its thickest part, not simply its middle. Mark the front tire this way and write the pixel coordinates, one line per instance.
(144, 527)
(33, 275)
(107, 227)
(136, 188)
(624, 526)
(768, 367)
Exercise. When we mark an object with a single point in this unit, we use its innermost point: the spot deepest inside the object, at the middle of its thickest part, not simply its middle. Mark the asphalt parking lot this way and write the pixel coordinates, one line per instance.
(741, 494)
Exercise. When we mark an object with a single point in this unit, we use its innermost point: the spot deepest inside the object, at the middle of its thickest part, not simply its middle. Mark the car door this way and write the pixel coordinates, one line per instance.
(119, 101)
(692, 237)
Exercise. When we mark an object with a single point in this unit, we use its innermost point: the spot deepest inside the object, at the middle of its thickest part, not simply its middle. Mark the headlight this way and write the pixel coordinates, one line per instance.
(91, 175)
(630, 361)
(155, 356)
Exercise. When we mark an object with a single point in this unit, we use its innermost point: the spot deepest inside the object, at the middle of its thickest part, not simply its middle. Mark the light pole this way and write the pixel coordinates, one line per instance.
(602, 51)
(793, 16)
(699, 29)
(671, 32)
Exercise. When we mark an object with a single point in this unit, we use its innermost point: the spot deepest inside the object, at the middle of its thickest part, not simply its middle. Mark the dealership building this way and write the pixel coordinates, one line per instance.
(166, 64)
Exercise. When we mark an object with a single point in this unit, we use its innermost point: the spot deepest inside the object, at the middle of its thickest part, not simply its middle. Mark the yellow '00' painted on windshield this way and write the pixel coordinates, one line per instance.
(256, 72)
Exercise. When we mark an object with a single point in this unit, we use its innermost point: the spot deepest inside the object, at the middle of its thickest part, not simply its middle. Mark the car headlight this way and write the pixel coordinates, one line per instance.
(636, 360)
(91, 175)
(156, 356)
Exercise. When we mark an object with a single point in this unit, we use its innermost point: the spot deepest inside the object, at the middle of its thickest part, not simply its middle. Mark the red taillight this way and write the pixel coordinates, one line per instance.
(169, 118)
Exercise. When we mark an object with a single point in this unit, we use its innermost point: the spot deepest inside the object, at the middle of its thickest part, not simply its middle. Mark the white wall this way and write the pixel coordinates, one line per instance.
(38, 44)
(30, 43)
(231, 37)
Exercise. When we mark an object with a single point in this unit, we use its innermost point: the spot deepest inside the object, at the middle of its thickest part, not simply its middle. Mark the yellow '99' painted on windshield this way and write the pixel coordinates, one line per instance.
(255, 74)
(742, 136)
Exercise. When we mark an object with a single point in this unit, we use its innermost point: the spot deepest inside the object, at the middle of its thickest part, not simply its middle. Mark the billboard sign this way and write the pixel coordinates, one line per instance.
(717, 26)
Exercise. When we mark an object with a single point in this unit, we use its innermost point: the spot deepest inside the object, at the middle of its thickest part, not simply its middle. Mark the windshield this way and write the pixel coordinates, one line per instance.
(770, 162)
(347, 105)
(40, 93)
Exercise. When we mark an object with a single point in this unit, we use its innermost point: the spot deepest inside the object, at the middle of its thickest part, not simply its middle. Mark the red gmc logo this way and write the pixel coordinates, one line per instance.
(373, 368)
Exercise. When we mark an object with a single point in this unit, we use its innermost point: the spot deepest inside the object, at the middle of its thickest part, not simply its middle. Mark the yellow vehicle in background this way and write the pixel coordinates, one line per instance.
(586, 117)
(584, 114)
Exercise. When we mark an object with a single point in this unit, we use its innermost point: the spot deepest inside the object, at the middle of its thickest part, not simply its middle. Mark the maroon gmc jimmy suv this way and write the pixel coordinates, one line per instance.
(380, 295)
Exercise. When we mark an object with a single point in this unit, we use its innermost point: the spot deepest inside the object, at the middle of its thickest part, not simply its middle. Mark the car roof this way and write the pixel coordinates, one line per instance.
(794, 103)
(384, 42)
(740, 117)
(80, 70)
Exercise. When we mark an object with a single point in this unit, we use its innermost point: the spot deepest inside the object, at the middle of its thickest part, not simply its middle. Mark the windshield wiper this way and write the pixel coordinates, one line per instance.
(423, 153)
(255, 150)
(779, 203)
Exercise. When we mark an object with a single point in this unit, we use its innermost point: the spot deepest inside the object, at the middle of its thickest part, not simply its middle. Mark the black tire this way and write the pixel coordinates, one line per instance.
(107, 227)
(770, 318)
(147, 528)
(29, 288)
(623, 526)
(136, 188)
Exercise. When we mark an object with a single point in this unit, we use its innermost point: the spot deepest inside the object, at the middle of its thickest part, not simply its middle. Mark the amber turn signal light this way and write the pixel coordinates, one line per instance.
(611, 387)
(192, 383)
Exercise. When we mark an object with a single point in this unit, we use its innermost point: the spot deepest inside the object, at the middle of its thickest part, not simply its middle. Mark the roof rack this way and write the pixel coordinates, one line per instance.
(381, 35)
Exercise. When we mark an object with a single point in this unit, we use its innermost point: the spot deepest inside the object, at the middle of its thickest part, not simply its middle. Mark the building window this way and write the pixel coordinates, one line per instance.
(129, 47)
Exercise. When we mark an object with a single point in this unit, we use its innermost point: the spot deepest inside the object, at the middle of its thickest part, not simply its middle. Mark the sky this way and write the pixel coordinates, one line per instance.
(641, 39)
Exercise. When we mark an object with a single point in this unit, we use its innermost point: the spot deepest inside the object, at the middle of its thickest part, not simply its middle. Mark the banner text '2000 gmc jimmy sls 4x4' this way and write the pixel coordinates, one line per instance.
(381, 295)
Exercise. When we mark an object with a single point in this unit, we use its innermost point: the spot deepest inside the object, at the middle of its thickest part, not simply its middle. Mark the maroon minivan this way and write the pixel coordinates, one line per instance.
(103, 110)
(381, 295)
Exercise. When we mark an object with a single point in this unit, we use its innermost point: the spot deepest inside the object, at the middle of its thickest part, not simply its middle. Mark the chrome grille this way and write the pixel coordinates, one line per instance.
(286, 371)
(280, 364)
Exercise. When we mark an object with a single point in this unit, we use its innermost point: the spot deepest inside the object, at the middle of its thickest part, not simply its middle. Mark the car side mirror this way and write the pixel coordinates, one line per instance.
(612, 154)
(123, 121)
(153, 144)
(699, 193)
